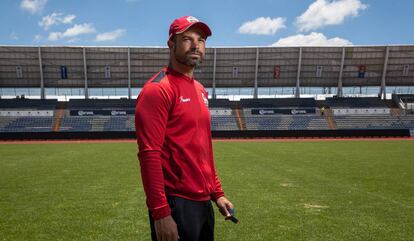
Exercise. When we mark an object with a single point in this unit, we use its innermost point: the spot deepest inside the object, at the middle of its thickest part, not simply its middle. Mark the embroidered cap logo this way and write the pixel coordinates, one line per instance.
(192, 19)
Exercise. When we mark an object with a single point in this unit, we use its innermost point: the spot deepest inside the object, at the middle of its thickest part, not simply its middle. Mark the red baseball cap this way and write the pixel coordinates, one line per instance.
(180, 25)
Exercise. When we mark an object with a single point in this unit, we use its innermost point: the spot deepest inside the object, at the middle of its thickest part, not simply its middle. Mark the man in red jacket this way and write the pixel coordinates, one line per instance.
(172, 124)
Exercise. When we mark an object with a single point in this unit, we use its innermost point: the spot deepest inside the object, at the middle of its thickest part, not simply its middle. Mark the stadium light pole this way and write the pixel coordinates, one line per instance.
(213, 95)
(339, 92)
(42, 83)
(85, 73)
(297, 90)
(382, 93)
(255, 94)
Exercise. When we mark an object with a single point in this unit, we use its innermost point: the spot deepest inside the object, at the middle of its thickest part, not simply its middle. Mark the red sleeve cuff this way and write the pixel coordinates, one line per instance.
(161, 212)
(215, 196)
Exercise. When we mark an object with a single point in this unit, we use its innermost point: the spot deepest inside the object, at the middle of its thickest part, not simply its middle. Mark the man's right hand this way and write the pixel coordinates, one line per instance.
(166, 229)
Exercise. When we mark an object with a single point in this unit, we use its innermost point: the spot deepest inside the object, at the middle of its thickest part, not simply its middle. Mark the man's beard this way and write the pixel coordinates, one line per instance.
(187, 60)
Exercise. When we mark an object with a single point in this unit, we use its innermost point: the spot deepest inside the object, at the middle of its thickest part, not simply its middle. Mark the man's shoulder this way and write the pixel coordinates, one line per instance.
(159, 78)
(158, 85)
(199, 85)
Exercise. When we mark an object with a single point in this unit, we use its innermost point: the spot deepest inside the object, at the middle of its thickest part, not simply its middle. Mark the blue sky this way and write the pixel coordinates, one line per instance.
(234, 23)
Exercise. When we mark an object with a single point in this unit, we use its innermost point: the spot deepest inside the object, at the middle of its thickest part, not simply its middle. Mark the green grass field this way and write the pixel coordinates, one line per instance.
(338, 190)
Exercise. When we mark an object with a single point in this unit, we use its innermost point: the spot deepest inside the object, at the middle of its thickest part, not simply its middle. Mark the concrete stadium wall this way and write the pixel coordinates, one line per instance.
(231, 67)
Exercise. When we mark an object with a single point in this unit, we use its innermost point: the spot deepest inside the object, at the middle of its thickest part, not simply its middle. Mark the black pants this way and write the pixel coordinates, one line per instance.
(195, 220)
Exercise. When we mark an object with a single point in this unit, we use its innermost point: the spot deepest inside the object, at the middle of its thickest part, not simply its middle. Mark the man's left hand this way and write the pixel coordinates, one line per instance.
(224, 205)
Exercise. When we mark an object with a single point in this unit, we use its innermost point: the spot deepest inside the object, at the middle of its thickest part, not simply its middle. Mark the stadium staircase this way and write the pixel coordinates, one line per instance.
(57, 118)
(330, 119)
(395, 112)
(240, 117)
(98, 123)
(394, 108)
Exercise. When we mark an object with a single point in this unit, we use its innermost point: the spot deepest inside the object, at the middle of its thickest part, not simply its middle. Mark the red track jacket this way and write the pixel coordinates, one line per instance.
(172, 123)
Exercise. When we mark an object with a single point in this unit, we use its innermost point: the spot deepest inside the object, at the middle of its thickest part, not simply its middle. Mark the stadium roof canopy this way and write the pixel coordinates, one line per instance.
(88, 67)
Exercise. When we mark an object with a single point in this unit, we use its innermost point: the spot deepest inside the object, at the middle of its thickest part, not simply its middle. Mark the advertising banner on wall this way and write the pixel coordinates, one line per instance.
(102, 112)
(319, 71)
(361, 71)
(63, 72)
(107, 72)
(406, 69)
(19, 72)
(276, 72)
(288, 111)
(235, 73)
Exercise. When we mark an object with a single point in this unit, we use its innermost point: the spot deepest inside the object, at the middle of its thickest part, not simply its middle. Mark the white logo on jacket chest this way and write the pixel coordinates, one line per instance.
(183, 100)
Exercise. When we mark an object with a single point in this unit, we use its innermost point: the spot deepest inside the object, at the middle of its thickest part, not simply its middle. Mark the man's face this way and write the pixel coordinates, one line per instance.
(189, 48)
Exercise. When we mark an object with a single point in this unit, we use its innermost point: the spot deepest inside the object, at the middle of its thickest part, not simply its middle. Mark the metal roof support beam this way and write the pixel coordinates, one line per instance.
(255, 95)
(85, 73)
(213, 95)
(297, 90)
(339, 92)
(42, 81)
(129, 73)
(383, 93)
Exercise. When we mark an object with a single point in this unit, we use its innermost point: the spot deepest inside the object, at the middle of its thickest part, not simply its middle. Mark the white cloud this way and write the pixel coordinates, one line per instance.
(263, 26)
(68, 19)
(74, 31)
(78, 29)
(108, 36)
(55, 19)
(13, 36)
(37, 38)
(326, 12)
(72, 40)
(312, 39)
(53, 36)
(33, 6)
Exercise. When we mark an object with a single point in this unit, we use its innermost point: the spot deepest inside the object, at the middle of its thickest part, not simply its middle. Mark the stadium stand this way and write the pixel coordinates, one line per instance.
(288, 114)
(408, 122)
(97, 123)
(282, 114)
(223, 119)
(75, 123)
(81, 73)
(26, 115)
(26, 124)
(120, 123)
(369, 122)
(223, 115)
(286, 123)
(98, 115)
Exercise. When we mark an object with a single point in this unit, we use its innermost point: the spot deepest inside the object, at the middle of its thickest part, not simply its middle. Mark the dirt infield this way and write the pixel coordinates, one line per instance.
(215, 140)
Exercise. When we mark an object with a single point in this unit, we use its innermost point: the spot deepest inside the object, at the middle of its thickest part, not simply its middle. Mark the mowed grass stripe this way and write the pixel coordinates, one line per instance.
(322, 190)
(351, 190)
(71, 192)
